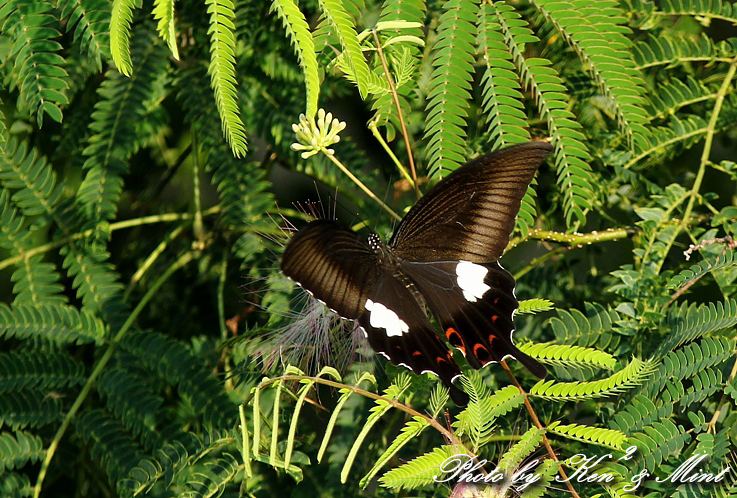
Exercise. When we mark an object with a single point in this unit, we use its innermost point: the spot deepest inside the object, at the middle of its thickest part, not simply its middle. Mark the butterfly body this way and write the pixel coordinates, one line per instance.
(442, 258)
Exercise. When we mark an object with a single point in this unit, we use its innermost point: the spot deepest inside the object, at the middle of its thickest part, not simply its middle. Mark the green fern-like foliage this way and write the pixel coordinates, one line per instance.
(144, 322)
(124, 101)
(121, 17)
(690, 322)
(477, 420)
(603, 437)
(41, 78)
(419, 471)
(632, 375)
(90, 22)
(222, 72)
(589, 28)
(702, 268)
(447, 106)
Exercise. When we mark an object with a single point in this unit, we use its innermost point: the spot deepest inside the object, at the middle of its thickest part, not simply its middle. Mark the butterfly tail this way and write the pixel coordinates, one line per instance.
(535, 367)
(459, 397)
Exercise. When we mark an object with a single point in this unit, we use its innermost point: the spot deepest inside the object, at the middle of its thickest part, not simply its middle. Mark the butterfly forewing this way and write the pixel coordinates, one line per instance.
(334, 264)
(469, 214)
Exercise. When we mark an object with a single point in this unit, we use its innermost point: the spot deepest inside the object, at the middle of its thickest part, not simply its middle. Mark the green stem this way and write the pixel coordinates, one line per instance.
(573, 239)
(151, 259)
(368, 394)
(375, 131)
(197, 226)
(183, 260)
(146, 220)
(363, 187)
(710, 131)
(395, 97)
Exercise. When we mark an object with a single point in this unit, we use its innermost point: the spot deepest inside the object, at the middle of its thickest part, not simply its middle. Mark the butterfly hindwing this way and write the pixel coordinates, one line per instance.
(474, 305)
(469, 215)
(397, 327)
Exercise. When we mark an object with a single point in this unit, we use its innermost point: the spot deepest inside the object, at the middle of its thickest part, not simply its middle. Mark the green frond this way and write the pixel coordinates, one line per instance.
(639, 412)
(594, 329)
(704, 384)
(597, 33)
(479, 417)
(527, 211)
(547, 471)
(393, 392)
(12, 484)
(659, 441)
(527, 444)
(124, 103)
(128, 397)
(664, 142)
(726, 260)
(97, 284)
(212, 477)
(173, 362)
(570, 155)
(607, 438)
(301, 38)
(706, 9)
(689, 360)
(418, 471)
(109, 442)
(18, 448)
(535, 305)
(303, 392)
(56, 323)
(410, 431)
(667, 50)
(222, 73)
(438, 399)
(38, 369)
(674, 94)
(31, 176)
(89, 23)
(29, 408)
(449, 88)
(344, 395)
(632, 375)
(165, 465)
(37, 283)
(503, 102)
(565, 355)
(344, 28)
(32, 28)
(242, 186)
(121, 17)
(164, 13)
(690, 322)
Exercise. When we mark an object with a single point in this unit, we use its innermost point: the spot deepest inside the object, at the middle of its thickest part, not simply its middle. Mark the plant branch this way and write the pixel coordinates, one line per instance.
(363, 187)
(710, 131)
(395, 96)
(101, 364)
(539, 425)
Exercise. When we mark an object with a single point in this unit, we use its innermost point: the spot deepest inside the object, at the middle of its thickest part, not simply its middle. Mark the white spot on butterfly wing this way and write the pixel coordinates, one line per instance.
(382, 317)
(471, 280)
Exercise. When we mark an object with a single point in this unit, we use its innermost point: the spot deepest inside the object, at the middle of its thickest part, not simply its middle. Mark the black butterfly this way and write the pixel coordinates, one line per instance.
(443, 256)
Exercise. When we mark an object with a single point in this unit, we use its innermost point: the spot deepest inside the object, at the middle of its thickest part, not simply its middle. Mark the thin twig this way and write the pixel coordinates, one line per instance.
(395, 96)
(539, 425)
(101, 364)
